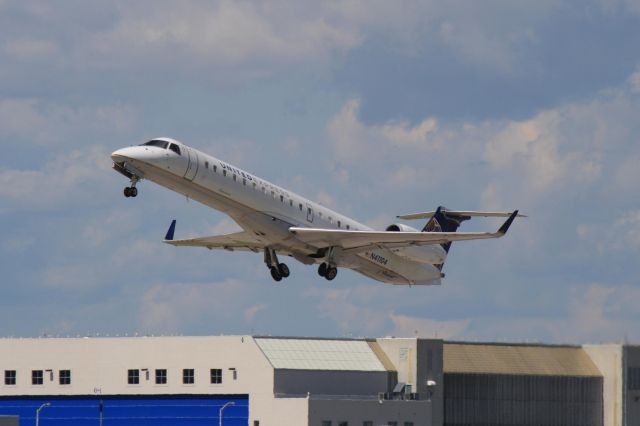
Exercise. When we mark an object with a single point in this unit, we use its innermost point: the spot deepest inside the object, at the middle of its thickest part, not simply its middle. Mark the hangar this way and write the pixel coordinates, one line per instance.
(263, 380)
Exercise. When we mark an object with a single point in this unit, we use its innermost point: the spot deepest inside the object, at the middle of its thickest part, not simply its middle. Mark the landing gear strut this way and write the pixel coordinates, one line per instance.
(278, 270)
(132, 191)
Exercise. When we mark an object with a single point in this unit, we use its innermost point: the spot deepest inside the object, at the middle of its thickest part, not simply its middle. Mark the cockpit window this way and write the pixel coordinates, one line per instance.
(175, 148)
(160, 144)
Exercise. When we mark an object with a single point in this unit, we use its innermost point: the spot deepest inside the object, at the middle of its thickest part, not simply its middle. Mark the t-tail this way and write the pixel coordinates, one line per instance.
(445, 220)
(442, 221)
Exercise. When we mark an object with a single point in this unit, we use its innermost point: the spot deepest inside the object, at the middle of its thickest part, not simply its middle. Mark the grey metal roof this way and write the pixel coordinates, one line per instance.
(517, 359)
(320, 354)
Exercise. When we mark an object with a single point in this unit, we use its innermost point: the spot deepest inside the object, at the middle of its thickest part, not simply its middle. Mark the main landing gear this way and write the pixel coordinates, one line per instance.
(132, 191)
(278, 270)
(327, 271)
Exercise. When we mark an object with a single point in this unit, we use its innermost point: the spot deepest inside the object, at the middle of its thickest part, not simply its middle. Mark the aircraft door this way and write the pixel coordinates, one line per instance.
(309, 213)
(192, 167)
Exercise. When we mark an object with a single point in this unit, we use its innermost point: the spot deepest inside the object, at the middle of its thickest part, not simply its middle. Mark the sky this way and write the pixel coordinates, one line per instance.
(373, 108)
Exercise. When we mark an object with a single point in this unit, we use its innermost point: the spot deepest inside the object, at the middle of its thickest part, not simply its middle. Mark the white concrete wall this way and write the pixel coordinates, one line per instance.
(99, 365)
(608, 359)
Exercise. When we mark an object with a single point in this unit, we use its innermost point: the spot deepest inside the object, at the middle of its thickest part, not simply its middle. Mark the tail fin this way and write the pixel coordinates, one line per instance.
(443, 222)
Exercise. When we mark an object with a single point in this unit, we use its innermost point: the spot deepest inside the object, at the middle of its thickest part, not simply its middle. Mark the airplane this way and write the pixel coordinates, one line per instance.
(276, 221)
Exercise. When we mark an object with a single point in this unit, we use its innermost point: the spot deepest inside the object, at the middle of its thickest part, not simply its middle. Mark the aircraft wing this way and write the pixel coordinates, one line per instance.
(355, 240)
(242, 241)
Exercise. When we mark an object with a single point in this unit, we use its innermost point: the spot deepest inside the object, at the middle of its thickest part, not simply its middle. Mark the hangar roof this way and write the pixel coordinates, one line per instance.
(319, 354)
(493, 358)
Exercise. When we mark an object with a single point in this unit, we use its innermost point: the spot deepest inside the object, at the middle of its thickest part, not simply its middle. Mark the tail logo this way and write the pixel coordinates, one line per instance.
(432, 226)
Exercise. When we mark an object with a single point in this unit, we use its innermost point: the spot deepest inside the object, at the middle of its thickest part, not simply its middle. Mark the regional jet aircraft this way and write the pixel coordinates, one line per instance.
(276, 221)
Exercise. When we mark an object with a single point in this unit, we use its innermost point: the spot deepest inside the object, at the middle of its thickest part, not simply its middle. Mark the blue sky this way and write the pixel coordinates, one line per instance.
(372, 108)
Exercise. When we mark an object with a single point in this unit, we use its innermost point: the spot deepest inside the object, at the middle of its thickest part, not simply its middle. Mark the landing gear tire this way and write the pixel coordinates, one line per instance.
(322, 269)
(275, 274)
(130, 191)
(284, 270)
(331, 273)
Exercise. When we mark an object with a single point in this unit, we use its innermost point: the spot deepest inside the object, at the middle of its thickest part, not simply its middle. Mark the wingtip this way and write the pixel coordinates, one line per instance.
(171, 231)
(505, 226)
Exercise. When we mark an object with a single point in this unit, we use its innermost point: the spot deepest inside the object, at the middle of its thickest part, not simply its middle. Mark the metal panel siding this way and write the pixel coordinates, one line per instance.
(509, 400)
(127, 411)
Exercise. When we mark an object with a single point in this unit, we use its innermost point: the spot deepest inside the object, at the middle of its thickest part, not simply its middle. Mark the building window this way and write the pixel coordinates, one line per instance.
(188, 376)
(64, 377)
(633, 378)
(161, 376)
(10, 377)
(367, 423)
(133, 377)
(216, 376)
(234, 373)
(326, 423)
(37, 377)
(256, 423)
(343, 423)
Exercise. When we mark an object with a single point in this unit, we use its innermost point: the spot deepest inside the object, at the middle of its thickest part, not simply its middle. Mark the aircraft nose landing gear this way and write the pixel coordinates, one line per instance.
(132, 191)
(278, 270)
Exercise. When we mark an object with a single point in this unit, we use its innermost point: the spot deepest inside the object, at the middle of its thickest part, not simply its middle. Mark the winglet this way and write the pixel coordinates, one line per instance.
(170, 232)
(505, 226)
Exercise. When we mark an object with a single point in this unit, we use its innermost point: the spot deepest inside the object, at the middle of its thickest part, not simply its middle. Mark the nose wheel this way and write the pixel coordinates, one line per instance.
(327, 271)
(132, 191)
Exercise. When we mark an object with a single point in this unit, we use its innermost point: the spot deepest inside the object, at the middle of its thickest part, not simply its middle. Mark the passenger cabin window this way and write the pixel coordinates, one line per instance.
(290, 203)
(175, 148)
(224, 172)
(339, 224)
(244, 181)
(347, 226)
(300, 205)
(159, 144)
(282, 198)
(234, 177)
(215, 169)
(206, 164)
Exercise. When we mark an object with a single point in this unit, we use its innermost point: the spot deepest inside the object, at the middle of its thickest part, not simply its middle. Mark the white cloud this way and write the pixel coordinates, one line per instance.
(71, 175)
(30, 49)
(39, 122)
(172, 307)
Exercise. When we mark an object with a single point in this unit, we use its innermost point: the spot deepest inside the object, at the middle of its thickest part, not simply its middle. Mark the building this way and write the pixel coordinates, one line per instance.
(259, 381)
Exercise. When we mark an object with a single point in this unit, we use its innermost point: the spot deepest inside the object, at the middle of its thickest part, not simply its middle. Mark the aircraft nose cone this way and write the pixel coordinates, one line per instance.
(121, 154)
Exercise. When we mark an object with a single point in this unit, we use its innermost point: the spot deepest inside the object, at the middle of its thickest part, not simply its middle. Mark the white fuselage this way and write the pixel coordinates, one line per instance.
(268, 211)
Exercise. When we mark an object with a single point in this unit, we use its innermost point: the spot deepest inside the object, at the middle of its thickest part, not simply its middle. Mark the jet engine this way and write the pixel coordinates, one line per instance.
(434, 254)
(399, 227)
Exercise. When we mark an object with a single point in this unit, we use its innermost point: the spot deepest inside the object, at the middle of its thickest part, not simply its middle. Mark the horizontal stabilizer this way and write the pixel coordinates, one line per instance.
(470, 213)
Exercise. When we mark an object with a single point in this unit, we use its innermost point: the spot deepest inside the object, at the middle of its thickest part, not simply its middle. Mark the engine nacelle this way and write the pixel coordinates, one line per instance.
(432, 253)
(399, 227)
